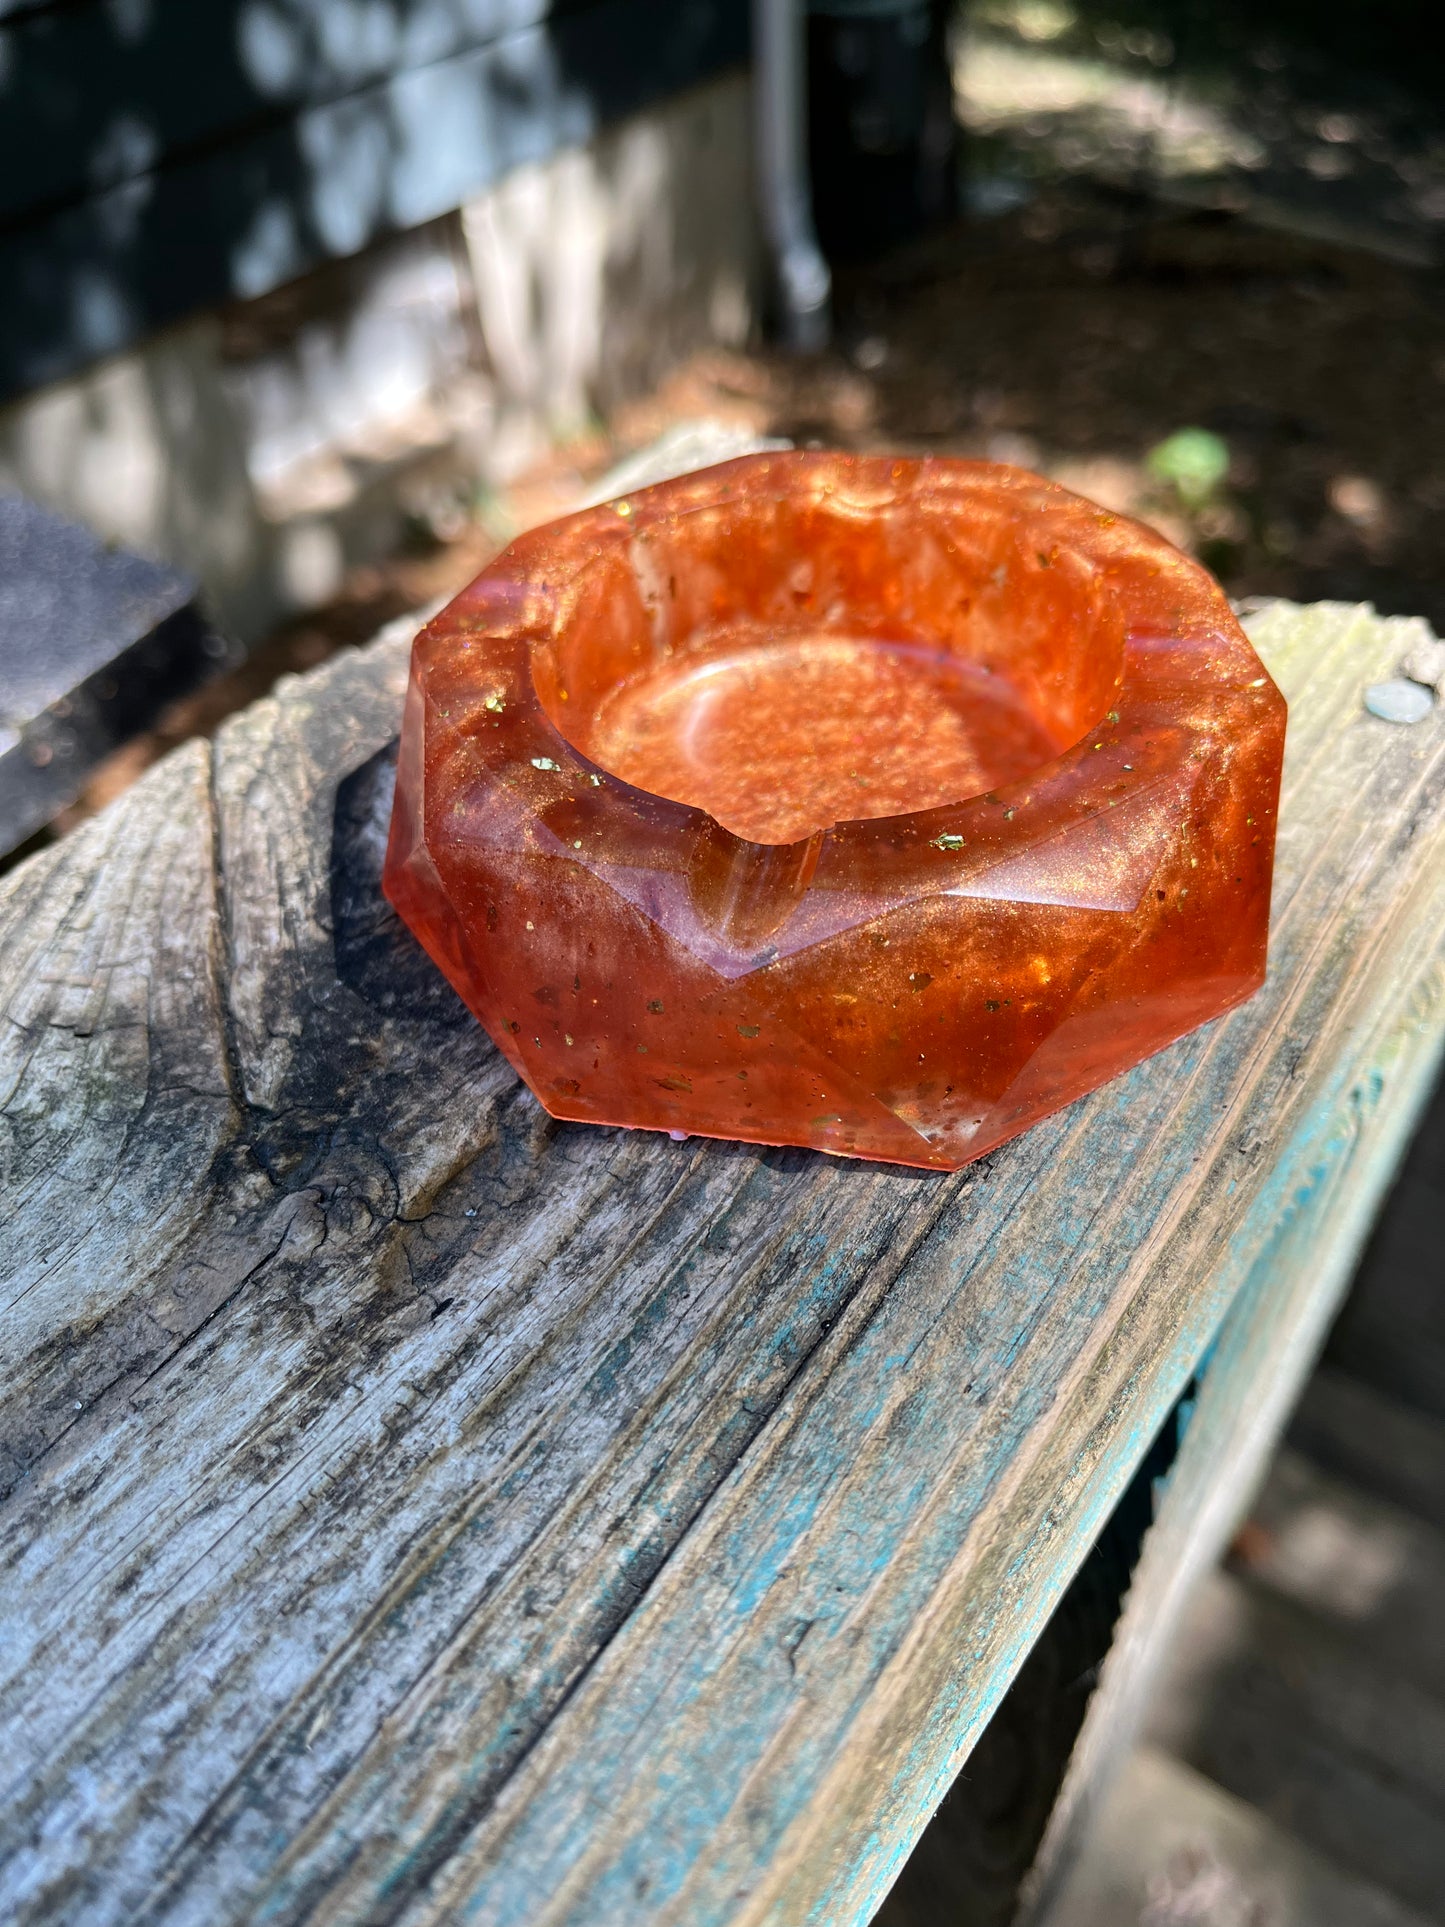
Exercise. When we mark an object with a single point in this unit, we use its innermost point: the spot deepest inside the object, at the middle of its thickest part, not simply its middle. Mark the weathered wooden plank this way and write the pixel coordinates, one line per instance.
(1354, 1136)
(866, 1768)
(527, 1522)
(1391, 1333)
(110, 1060)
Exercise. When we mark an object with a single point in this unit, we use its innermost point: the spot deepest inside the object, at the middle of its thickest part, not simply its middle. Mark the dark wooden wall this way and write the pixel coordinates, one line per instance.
(159, 156)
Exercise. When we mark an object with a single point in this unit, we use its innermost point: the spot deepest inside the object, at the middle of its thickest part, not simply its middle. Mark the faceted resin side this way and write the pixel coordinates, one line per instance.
(909, 985)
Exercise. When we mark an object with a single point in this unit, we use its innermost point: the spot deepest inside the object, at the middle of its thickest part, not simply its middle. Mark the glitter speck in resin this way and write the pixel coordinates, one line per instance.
(879, 806)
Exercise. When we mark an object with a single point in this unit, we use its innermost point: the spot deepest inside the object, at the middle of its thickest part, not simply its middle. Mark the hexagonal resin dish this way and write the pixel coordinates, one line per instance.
(875, 805)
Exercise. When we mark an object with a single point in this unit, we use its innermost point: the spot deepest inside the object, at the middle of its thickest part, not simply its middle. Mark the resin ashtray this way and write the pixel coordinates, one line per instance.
(880, 806)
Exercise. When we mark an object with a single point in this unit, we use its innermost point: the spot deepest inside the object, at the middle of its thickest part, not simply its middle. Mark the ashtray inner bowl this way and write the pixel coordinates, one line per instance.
(789, 664)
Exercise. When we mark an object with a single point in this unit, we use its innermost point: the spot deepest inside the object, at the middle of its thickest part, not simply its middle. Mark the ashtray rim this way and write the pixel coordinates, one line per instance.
(511, 586)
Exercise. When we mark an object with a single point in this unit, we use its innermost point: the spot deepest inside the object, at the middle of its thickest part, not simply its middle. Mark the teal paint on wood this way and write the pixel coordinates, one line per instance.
(1269, 1341)
(468, 1517)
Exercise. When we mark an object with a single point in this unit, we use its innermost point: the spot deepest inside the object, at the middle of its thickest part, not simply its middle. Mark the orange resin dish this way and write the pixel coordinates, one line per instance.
(875, 805)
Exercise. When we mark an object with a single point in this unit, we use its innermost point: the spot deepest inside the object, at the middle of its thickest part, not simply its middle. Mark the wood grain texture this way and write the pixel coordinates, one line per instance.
(417, 1510)
(1393, 1019)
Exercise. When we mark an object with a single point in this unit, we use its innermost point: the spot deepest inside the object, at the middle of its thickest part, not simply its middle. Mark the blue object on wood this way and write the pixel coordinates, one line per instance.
(93, 642)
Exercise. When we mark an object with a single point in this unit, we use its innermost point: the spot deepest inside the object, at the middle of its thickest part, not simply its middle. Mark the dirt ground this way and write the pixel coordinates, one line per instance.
(1073, 335)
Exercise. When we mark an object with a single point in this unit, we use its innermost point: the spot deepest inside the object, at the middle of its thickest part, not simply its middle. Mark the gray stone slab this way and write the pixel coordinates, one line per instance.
(93, 643)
